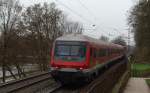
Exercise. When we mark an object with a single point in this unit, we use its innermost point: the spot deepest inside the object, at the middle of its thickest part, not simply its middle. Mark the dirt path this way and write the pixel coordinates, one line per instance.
(137, 85)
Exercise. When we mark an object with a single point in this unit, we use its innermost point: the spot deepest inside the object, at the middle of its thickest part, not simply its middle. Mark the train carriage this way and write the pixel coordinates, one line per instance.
(79, 57)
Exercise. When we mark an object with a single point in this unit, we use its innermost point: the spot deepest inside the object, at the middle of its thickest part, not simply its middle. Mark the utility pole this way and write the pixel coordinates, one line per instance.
(128, 39)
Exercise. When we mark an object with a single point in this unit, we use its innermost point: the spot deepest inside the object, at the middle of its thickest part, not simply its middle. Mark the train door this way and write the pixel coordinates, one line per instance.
(92, 56)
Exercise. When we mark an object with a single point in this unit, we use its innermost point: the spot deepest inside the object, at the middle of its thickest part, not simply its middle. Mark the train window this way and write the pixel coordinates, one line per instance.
(108, 51)
(77, 50)
(115, 51)
(62, 50)
(94, 53)
(119, 51)
(70, 51)
(91, 52)
(112, 51)
(102, 52)
(105, 52)
(97, 53)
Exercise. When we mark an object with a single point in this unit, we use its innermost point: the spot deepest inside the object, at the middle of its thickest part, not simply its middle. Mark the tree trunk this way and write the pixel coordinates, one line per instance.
(4, 73)
(20, 71)
(9, 69)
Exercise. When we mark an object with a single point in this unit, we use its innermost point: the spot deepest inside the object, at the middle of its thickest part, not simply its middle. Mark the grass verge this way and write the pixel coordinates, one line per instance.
(148, 82)
(140, 70)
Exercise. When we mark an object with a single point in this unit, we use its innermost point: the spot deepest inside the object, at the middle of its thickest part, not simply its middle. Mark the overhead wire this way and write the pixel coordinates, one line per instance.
(58, 1)
(76, 13)
(89, 11)
(92, 14)
(85, 19)
(96, 18)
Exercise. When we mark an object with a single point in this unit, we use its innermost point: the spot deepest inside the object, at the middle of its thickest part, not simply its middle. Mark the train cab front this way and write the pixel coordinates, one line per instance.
(69, 59)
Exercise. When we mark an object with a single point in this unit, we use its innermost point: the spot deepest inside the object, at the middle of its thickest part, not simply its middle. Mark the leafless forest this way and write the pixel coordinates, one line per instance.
(27, 34)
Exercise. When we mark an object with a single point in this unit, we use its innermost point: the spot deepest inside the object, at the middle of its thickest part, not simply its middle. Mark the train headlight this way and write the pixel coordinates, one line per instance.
(81, 68)
(56, 67)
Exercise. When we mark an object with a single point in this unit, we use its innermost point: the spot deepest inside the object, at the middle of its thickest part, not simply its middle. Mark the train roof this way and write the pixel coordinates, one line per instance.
(84, 38)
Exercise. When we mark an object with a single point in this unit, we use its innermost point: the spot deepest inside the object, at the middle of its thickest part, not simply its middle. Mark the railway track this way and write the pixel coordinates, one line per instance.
(43, 83)
(62, 89)
(27, 85)
(50, 89)
(103, 84)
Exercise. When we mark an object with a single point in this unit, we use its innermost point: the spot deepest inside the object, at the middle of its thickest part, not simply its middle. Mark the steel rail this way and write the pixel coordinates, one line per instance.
(18, 85)
(55, 89)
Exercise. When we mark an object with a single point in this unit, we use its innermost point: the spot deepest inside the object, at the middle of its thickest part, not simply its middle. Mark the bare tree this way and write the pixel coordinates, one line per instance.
(42, 23)
(31, 32)
(71, 27)
(10, 13)
(119, 40)
(104, 38)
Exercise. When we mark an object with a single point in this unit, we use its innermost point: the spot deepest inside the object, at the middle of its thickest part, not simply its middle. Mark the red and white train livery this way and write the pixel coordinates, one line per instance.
(77, 56)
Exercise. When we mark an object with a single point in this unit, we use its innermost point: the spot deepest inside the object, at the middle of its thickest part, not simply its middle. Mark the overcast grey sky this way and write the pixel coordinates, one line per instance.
(109, 16)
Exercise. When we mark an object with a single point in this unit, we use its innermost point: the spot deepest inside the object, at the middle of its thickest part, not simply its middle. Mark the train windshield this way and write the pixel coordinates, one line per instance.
(70, 51)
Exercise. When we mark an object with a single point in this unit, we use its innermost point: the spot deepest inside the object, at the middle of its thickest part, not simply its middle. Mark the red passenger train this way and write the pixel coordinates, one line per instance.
(77, 56)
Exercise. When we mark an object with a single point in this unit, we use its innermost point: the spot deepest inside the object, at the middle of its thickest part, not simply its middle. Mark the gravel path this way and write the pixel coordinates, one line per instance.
(137, 85)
